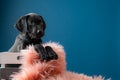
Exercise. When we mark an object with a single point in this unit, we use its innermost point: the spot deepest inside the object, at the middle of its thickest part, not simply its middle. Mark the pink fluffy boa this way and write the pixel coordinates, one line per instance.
(33, 69)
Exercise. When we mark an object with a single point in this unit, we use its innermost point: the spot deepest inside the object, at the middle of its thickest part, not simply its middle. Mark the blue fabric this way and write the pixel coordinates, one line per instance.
(88, 29)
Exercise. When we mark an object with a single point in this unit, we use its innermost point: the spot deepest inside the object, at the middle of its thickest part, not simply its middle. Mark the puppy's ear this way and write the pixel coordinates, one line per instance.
(21, 24)
(44, 24)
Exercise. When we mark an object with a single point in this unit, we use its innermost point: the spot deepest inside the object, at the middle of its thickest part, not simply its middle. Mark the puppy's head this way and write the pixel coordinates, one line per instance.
(31, 24)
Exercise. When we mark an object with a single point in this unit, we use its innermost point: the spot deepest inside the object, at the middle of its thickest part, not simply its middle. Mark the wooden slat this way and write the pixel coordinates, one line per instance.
(9, 58)
(6, 72)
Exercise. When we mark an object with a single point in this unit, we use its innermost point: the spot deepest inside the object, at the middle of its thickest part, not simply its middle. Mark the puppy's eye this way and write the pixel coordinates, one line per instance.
(29, 28)
(29, 25)
(41, 24)
(38, 21)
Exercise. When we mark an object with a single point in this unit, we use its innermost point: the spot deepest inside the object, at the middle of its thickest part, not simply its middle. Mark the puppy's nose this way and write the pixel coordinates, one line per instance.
(39, 32)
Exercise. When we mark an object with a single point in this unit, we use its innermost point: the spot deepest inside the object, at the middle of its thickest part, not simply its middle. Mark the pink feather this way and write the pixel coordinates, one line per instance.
(34, 69)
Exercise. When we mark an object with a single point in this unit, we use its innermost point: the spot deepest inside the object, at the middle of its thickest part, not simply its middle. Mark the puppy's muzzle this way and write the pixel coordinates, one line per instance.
(37, 33)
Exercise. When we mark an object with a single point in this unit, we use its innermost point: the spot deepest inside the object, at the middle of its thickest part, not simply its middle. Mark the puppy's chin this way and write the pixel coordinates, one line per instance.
(35, 36)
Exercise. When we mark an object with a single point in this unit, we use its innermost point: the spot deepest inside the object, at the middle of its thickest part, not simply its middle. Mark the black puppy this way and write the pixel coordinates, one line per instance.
(31, 28)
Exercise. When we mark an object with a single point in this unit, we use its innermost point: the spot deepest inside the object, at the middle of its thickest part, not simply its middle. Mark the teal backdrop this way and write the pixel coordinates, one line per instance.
(89, 30)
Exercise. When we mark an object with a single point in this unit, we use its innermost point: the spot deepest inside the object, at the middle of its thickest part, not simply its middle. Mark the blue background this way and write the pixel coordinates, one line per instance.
(89, 30)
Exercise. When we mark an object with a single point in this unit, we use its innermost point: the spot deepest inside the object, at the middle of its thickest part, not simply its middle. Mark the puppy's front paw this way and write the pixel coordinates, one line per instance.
(47, 53)
(51, 54)
(40, 49)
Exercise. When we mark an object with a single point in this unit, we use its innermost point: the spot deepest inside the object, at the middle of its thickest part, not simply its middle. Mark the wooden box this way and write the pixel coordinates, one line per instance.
(11, 59)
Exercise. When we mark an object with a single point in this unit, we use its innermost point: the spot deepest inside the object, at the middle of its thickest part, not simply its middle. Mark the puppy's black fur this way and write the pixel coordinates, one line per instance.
(31, 28)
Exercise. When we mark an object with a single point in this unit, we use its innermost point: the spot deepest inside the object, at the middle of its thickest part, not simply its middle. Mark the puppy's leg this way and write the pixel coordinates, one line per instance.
(40, 49)
(51, 53)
